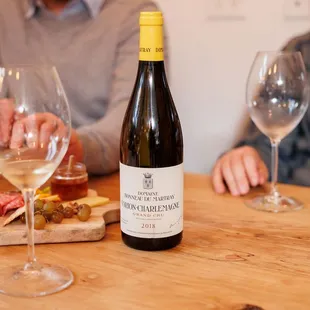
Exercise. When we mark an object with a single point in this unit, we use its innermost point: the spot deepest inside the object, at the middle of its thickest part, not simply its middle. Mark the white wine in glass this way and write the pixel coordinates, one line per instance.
(277, 99)
(35, 130)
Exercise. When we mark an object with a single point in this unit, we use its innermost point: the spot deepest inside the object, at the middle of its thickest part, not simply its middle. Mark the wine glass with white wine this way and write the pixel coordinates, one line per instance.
(277, 99)
(35, 130)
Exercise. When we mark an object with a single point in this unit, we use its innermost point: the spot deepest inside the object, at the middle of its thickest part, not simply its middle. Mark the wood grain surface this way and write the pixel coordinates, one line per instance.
(231, 258)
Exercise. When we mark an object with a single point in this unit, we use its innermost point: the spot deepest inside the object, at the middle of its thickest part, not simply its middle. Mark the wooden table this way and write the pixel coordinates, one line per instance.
(232, 258)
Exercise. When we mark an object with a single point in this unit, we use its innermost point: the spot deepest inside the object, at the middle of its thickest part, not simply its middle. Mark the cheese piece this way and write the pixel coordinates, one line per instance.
(47, 197)
(93, 202)
(14, 215)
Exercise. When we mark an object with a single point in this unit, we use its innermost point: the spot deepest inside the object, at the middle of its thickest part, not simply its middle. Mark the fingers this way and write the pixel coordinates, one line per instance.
(18, 132)
(256, 169)
(240, 175)
(35, 130)
(61, 131)
(229, 178)
(47, 130)
(38, 126)
(217, 180)
(263, 173)
(251, 167)
(239, 169)
(76, 148)
(6, 121)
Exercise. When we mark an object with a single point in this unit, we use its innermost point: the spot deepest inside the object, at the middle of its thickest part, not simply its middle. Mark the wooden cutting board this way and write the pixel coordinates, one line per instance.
(70, 230)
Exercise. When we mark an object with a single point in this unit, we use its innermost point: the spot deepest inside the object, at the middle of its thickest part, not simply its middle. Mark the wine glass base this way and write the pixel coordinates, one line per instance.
(273, 204)
(41, 281)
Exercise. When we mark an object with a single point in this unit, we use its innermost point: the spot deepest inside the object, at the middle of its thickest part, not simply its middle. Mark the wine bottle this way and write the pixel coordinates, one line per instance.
(151, 151)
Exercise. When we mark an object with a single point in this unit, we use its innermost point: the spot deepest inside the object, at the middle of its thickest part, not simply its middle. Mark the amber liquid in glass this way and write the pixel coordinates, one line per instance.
(70, 189)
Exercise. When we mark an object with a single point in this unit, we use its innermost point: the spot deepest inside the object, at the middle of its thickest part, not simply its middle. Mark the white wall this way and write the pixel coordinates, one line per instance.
(209, 63)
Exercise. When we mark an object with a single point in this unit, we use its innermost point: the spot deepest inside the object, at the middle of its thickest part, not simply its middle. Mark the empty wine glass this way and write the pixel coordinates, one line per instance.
(277, 99)
(35, 129)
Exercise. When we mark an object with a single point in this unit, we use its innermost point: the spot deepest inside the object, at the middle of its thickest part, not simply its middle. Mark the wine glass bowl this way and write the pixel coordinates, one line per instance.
(277, 99)
(35, 130)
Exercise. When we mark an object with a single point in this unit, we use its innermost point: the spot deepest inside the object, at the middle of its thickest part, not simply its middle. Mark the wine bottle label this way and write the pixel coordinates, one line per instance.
(151, 43)
(151, 201)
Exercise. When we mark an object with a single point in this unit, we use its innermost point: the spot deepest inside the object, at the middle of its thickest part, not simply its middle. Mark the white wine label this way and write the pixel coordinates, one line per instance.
(151, 201)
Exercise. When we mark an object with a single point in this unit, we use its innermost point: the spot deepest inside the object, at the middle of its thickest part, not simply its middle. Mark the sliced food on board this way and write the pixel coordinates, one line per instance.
(48, 207)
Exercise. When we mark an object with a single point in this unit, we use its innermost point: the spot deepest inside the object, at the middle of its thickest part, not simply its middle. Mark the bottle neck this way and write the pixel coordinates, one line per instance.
(156, 69)
(151, 43)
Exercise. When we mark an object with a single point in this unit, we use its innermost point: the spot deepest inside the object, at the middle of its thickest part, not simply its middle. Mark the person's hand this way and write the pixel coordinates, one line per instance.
(75, 148)
(39, 128)
(35, 130)
(6, 121)
(238, 170)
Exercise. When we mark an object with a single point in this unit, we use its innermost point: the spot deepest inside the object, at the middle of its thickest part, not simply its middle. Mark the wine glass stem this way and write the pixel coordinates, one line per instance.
(29, 204)
(274, 168)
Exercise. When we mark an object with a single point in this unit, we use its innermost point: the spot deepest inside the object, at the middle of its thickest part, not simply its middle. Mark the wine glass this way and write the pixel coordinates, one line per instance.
(35, 130)
(277, 99)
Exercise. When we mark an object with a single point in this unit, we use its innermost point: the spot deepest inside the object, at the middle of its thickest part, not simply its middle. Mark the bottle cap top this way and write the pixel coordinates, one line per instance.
(151, 19)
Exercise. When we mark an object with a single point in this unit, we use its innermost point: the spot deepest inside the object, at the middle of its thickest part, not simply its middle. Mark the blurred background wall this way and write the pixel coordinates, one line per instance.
(211, 51)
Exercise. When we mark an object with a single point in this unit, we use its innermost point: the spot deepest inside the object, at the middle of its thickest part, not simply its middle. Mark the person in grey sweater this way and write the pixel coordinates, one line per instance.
(94, 46)
(248, 164)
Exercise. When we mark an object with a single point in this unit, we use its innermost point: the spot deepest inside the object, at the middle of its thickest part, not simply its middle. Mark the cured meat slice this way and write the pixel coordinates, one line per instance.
(18, 202)
(4, 200)
(7, 198)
